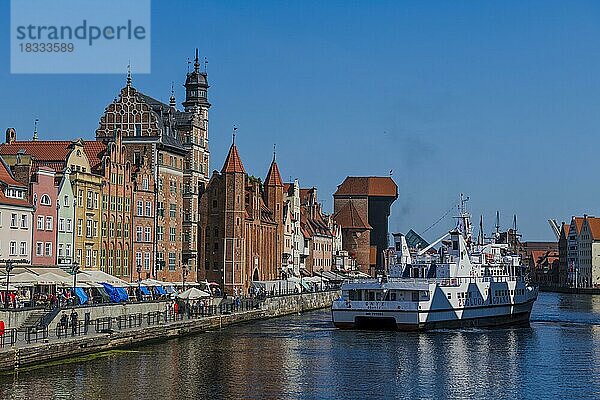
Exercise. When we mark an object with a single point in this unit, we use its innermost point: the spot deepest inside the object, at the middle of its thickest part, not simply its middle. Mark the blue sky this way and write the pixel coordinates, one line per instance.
(499, 100)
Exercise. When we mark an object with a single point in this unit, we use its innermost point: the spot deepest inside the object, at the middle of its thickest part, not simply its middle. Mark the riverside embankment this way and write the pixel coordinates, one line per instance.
(25, 355)
(569, 290)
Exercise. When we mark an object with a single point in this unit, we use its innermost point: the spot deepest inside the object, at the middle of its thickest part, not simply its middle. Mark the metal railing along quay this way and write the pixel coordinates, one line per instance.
(35, 334)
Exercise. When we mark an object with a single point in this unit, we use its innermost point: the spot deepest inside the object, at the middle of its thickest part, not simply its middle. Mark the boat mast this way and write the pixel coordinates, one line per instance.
(464, 220)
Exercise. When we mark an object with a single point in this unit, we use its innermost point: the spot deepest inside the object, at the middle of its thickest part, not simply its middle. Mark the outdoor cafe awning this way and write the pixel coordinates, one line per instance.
(144, 290)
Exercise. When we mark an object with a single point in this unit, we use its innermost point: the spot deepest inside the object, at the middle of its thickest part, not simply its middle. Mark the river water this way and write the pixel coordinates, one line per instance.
(305, 357)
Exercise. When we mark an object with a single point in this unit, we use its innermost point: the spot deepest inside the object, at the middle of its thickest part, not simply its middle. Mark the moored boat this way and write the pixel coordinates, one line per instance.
(461, 284)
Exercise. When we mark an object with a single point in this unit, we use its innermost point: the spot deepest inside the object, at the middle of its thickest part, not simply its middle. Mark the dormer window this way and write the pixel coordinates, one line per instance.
(14, 193)
(203, 93)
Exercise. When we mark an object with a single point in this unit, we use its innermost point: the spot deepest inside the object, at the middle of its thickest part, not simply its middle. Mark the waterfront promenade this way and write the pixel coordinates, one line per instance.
(112, 332)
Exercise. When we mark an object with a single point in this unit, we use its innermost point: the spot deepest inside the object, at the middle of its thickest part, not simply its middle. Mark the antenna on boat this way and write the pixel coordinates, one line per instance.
(480, 238)
(497, 221)
(515, 222)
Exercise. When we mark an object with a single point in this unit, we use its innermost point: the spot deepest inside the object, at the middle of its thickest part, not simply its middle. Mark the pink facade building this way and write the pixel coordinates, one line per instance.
(43, 195)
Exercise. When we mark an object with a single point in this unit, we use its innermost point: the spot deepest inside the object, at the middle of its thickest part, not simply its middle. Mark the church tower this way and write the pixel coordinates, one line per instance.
(234, 176)
(273, 196)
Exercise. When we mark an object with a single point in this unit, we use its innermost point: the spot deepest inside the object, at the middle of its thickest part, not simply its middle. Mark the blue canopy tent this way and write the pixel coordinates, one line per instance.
(112, 292)
(159, 290)
(83, 298)
(144, 290)
(123, 296)
(170, 289)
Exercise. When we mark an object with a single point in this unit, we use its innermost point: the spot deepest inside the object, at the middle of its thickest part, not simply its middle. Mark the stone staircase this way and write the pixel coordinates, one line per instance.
(33, 318)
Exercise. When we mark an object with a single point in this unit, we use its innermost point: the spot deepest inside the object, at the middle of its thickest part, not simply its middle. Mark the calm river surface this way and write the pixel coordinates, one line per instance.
(304, 357)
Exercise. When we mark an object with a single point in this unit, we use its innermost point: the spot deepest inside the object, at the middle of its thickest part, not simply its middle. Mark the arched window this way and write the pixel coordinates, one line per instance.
(45, 200)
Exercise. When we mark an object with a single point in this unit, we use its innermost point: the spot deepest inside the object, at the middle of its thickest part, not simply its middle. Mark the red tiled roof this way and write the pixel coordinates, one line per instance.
(13, 202)
(53, 153)
(94, 150)
(313, 225)
(367, 186)
(349, 217)
(273, 176)
(578, 224)
(6, 176)
(233, 162)
(594, 224)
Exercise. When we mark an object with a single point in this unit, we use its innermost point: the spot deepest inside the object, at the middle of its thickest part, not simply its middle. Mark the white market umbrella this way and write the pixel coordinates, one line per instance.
(50, 278)
(193, 294)
(23, 278)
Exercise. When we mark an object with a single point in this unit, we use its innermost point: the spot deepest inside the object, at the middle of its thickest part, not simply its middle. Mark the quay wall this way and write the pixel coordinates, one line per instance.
(15, 318)
(15, 358)
(570, 290)
(112, 310)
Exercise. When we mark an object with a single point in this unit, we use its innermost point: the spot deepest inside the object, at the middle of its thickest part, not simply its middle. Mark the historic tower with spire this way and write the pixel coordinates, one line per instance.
(274, 198)
(241, 225)
(194, 135)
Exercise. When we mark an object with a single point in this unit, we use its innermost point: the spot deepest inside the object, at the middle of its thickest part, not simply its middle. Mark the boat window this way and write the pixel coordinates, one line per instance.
(415, 296)
(449, 295)
(393, 296)
(371, 296)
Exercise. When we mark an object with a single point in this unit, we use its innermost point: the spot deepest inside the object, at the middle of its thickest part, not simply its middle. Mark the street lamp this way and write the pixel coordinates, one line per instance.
(184, 273)
(139, 271)
(9, 267)
(321, 271)
(74, 269)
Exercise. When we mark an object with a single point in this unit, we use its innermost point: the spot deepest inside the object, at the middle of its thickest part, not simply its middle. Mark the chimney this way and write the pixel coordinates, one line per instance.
(11, 135)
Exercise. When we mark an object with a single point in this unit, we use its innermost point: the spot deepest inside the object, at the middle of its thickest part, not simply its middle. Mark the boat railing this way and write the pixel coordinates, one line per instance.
(439, 281)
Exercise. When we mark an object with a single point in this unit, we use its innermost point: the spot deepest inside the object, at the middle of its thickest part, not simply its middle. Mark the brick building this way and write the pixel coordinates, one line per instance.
(241, 224)
(117, 193)
(143, 220)
(362, 207)
(174, 145)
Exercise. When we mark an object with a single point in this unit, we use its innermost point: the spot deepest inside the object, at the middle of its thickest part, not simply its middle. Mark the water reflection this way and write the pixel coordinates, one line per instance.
(304, 357)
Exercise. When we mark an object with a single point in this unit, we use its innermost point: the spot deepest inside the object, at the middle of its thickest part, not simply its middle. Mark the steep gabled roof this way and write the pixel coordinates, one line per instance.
(273, 176)
(594, 224)
(578, 224)
(367, 186)
(349, 217)
(233, 162)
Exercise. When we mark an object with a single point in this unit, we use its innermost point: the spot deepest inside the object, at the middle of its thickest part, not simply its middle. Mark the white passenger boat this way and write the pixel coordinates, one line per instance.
(461, 284)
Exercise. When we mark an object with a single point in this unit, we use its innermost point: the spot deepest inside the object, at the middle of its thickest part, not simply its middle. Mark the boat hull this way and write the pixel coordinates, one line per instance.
(487, 317)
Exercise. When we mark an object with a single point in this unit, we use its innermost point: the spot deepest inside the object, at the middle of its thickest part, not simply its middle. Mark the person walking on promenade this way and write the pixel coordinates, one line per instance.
(73, 322)
(87, 321)
(64, 322)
